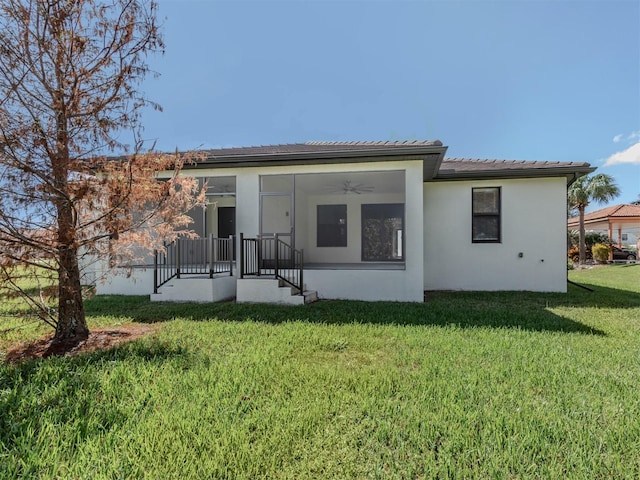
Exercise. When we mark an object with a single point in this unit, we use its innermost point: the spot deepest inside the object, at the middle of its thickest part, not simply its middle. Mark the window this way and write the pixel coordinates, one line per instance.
(383, 232)
(486, 215)
(332, 226)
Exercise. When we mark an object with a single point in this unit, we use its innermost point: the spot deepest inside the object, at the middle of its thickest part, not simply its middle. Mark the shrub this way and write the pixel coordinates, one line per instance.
(574, 253)
(591, 238)
(601, 252)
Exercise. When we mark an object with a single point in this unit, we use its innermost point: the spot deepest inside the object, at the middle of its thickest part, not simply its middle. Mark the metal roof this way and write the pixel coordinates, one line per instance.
(435, 166)
(468, 168)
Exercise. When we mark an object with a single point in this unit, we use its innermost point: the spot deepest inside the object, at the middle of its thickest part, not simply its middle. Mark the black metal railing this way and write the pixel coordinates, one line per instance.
(164, 265)
(192, 256)
(273, 257)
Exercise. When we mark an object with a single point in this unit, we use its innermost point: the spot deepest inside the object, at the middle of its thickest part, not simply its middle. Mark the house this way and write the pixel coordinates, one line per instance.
(364, 221)
(620, 222)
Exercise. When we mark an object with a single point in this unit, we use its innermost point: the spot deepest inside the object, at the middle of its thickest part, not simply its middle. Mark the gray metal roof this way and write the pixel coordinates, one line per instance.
(435, 166)
(315, 147)
(468, 168)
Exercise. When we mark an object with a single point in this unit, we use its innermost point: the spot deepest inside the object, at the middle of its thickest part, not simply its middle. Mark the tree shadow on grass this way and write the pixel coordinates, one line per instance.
(65, 395)
(520, 310)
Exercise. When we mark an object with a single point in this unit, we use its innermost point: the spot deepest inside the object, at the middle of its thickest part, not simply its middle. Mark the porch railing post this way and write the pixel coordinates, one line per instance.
(301, 271)
(212, 253)
(230, 249)
(275, 255)
(259, 253)
(178, 257)
(155, 271)
(241, 256)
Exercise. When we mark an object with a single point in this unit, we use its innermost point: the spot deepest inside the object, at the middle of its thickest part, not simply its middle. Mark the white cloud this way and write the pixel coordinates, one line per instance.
(617, 138)
(630, 155)
(634, 136)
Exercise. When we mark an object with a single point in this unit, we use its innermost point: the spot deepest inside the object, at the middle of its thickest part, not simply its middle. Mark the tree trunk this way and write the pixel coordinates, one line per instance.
(583, 249)
(72, 324)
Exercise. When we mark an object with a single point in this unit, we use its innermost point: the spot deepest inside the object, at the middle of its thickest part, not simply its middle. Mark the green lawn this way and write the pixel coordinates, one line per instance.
(467, 385)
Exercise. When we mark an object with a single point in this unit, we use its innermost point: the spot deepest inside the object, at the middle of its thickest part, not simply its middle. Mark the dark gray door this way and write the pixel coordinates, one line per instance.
(227, 225)
(226, 222)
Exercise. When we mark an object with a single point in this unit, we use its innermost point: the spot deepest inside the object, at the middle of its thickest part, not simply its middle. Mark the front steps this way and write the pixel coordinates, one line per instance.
(200, 289)
(270, 290)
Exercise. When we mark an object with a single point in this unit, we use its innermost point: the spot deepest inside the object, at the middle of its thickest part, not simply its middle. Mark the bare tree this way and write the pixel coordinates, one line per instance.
(69, 77)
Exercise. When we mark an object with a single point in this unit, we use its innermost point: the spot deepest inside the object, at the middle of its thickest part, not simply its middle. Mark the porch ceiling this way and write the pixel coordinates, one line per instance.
(332, 183)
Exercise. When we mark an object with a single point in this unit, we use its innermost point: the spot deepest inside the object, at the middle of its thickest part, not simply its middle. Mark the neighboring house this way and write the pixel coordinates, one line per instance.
(374, 220)
(620, 222)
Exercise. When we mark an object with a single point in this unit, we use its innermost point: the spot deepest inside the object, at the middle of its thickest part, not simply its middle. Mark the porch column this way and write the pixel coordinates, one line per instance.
(610, 239)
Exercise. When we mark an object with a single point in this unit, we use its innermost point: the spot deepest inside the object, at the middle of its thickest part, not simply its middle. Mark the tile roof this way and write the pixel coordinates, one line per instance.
(623, 210)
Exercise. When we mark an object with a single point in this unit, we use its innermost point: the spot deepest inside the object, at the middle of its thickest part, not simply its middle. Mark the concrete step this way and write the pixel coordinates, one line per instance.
(310, 296)
(196, 289)
(269, 290)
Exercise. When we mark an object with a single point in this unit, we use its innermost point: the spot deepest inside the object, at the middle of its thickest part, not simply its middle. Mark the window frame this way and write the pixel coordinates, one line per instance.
(339, 240)
(476, 216)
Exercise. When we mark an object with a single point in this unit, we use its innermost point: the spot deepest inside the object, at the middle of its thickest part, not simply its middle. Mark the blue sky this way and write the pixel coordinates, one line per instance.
(510, 79)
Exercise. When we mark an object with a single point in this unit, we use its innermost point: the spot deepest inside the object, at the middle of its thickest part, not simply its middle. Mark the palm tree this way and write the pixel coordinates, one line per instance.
(598, 188)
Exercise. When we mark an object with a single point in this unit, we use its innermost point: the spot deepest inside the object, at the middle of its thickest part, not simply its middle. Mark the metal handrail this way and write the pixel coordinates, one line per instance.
(289, 264)
(164, 267)
(271, 256)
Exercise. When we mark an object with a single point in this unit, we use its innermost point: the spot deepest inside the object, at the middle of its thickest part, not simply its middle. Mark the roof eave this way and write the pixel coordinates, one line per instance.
(572, 173)
(432, 157)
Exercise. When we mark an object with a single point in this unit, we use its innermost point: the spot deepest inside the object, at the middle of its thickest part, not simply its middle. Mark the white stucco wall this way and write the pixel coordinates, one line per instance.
(533, 223)
(367, 285)
(139, 282)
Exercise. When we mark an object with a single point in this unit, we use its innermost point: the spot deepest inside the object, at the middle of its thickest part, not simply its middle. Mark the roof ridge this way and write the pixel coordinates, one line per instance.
(617, 207)
(377, 143)
(511, 161)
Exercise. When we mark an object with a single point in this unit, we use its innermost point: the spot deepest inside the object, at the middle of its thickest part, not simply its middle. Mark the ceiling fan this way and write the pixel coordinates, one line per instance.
(222, 190)
(348, 186)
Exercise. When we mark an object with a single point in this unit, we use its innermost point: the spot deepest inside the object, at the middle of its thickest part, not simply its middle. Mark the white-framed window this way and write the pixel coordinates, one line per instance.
(486, 215)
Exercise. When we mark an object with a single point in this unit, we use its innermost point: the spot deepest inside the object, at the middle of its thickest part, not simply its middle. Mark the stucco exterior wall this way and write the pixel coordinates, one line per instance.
(140, 282)
(367, 285)
(533, 223)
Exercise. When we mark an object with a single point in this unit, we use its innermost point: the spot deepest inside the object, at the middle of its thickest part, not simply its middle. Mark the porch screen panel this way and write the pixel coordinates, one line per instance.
(198, 224)
(276, 214)
(383, 232)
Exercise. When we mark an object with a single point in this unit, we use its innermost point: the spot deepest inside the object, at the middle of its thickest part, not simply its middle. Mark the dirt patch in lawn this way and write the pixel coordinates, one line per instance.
(99, 339)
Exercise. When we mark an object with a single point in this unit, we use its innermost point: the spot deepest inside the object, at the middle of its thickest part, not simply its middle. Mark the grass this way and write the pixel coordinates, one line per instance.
(467, 385)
